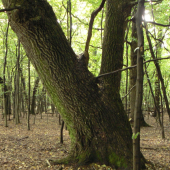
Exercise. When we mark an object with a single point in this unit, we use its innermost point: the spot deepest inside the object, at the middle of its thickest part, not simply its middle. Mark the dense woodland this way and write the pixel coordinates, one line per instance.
(99, 68)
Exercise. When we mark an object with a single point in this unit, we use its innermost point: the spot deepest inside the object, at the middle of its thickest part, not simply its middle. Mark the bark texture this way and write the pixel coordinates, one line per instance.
(113, 44)
(98, 127)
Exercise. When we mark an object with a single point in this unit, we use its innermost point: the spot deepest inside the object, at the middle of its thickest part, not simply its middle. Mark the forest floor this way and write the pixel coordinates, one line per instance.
(30, 150)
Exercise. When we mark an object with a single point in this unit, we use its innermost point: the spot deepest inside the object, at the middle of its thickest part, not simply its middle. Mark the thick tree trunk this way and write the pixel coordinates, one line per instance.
(98, 127)
(113, 45)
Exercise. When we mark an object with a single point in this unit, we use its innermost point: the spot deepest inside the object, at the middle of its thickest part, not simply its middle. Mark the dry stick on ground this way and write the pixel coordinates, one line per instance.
(158, 70)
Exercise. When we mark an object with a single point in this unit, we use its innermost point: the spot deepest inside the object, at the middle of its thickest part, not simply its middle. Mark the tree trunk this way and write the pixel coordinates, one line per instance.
(17, 89)
(157, 81)
(9, 93)
(98, 126)
(5, 100)
(61, 132)
(29, 96)
(139, 88)
(133, 71)
(5, 90)
(34, 96)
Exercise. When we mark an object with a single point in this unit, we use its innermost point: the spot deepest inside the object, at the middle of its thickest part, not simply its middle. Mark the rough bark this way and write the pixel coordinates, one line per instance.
(113, 45)
(98, 127)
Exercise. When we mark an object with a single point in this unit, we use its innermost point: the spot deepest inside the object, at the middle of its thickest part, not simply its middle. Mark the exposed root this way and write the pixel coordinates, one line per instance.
(67, 160)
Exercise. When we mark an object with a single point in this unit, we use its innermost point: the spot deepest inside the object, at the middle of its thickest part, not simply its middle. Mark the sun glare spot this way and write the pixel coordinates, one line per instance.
(148, 17)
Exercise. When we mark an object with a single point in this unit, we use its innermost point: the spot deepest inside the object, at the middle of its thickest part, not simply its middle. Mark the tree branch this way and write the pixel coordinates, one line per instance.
(98, 29)
(9, 9)
(93, 15)
(156, 23)
(106, 74)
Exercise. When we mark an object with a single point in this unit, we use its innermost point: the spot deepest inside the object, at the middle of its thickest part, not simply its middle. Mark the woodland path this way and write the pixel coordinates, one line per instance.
(29, 150)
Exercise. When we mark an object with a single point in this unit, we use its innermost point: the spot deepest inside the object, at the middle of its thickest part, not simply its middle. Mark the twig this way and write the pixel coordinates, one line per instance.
(155, 23)
(128, 92)
(106, 74)
(80, 19)
(23, 138)
(48, 162)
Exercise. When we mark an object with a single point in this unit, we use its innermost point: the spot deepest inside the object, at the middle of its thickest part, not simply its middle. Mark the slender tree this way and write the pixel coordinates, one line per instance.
(133, 71)
(29, 96)
(157, 81)
(5, 96)
(17, 85)
(139, 87)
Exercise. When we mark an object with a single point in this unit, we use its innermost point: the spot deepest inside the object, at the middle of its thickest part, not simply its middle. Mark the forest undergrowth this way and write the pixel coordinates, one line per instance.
(29, 150)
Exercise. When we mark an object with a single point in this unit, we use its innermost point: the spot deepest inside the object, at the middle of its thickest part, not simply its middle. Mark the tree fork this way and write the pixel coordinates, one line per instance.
(98, 127)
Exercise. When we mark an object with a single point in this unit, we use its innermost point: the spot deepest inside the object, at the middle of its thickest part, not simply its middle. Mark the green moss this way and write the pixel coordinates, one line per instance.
(117, 161)
(84, 157)
(98, 155)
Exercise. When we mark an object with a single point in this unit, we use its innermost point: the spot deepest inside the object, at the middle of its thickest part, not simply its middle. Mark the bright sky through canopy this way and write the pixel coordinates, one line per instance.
(148, 17)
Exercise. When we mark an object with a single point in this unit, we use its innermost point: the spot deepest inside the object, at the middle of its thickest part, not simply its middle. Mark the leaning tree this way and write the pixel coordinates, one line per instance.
(90, 106)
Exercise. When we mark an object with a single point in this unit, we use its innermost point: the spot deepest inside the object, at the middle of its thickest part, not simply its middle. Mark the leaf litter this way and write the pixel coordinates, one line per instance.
(29, 150)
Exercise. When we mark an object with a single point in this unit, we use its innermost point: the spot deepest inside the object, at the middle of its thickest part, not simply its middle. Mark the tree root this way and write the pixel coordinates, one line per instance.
(72, 160)
(66, 160)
